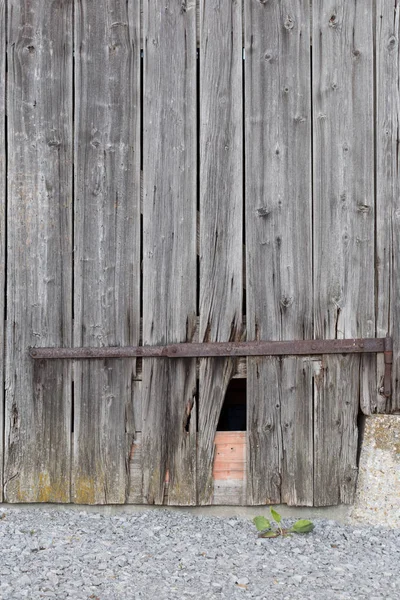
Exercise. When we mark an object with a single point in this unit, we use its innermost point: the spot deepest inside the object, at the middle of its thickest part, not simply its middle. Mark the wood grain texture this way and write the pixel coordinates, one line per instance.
(297, 431)
(278, 233)
(37, 405)
(264, 438)
(221, 208)
(388, 189)
(344, 210)
(3, 188)
(169, 248)
(107, 241)
(336, 407)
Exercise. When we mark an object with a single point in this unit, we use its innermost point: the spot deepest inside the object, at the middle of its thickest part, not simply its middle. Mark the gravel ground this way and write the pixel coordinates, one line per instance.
(170, 555)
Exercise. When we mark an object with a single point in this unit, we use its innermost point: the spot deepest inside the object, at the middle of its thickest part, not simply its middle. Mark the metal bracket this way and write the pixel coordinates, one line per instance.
(232, 349)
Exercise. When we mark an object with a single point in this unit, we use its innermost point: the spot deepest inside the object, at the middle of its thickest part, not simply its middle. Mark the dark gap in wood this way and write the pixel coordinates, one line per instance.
(312, 179)
(198, 180)
(5, 242)
(188, 419)
(197, 399)
(244, 253)
(361, 420)
(73, 176)
(375, 123)
(141, 108)
(234, 409)
(72, 405)
(141, 104)
(72, 367)
(313, 432)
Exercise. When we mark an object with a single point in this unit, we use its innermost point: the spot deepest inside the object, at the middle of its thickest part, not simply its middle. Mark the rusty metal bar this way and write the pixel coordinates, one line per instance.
(388, 358)
(215, 349)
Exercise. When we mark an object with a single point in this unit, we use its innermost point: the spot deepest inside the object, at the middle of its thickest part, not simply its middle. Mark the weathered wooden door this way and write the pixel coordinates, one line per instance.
(219, 171)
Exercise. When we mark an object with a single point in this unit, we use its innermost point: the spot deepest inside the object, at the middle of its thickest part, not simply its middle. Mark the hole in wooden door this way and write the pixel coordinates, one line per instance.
(361, 419)
(233, 413)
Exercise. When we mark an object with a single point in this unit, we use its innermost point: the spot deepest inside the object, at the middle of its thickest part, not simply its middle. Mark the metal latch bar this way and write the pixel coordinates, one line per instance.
(215, 349)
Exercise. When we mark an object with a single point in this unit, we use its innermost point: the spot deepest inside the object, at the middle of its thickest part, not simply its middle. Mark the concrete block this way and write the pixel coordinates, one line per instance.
(378, 488)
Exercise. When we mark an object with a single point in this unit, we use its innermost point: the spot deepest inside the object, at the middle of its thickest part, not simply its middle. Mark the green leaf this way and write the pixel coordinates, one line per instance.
(269, 534)
(303, 526)
(261, 523)
(276, 516)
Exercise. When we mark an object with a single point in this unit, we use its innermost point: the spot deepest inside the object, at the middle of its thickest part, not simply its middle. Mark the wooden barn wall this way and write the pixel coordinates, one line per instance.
(210, 170)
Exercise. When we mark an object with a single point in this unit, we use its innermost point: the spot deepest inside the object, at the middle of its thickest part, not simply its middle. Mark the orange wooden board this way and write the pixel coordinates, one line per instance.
(230, 455)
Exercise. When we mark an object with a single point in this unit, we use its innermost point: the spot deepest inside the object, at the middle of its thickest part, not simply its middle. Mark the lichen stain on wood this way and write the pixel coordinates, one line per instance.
(85, 490)
(48, 491)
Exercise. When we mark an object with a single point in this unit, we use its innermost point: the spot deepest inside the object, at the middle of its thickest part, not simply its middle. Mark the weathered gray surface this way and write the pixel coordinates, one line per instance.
(2, 222)
(169, 248)
(264, 451)
(278, 233)
(38, 401)
(336, 405)
(388, 188)
(135, 493)
(221, 208)
(343, 221)
(107, 241)
(331, 260)
(297, 430)
(344, 175)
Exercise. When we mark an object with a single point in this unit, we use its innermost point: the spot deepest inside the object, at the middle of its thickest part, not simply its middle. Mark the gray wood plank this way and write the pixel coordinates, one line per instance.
(278, 233)
(39, 244)
(344, 256)
(3, 187)
(169, 248)
(221, 208)
(135, 495)
(336, 434)
(264, 438)
(388, 189)
(107, 241)
(297, 434)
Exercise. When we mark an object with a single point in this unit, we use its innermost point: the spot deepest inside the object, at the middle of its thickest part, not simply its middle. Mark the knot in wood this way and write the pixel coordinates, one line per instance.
(333, 21)
(285, 302)
(263, 211)
(289, 23)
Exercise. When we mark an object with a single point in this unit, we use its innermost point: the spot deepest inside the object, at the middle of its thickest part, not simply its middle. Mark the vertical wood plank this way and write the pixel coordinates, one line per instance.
(388, 188)
(264, 439)
(38, 398)
(221, 208)
(169, 248)
(107, 241)
(2, 223)
(343, 200)
(336, 407)
(297, 431)
(278, 234)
